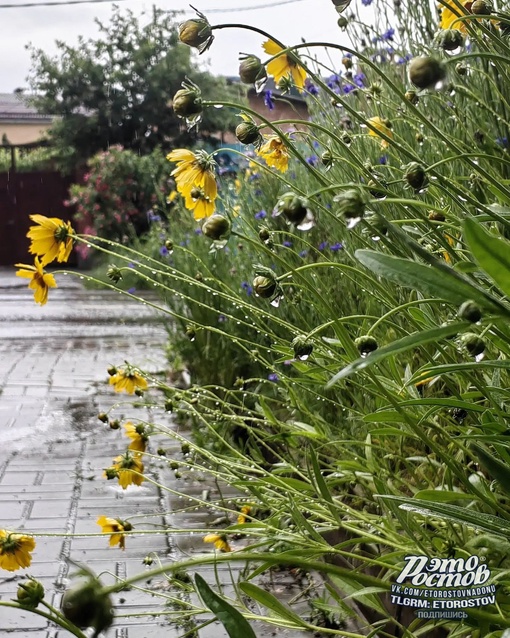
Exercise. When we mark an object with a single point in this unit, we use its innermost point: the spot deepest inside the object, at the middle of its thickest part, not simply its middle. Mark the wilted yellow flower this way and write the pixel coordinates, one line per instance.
(220, 542)
(245, 510)
(40, 281)
(128, 380)
(115, 527)
(51, 239)
(137, 435)
(128, 468)
(15, 550)
(450, 13)
(195, 180)
(275, 153)
(382, 126)
(284, 65)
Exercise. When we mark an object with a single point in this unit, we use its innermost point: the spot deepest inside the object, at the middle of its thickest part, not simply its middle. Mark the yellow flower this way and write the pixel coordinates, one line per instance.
(128, 468)
(220, 542)
(15, 550)
(275, 153)
(137, 435)
(245, 510)
(115, 527)
(195, 180)
(450, 13)
(127, 379)
(40, 281)
(52, 238)
(382, 126)
(284, 65)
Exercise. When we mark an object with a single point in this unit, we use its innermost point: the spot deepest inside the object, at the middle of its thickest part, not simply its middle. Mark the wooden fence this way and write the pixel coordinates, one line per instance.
(24, 194)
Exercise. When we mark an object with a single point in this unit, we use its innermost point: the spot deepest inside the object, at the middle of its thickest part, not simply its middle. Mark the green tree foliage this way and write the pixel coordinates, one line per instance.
(116, 89)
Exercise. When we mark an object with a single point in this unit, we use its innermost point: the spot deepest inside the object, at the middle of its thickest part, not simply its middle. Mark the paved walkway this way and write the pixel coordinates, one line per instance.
(53, 450)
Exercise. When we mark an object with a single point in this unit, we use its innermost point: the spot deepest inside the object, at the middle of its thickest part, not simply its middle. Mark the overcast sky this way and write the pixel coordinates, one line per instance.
(310, 19)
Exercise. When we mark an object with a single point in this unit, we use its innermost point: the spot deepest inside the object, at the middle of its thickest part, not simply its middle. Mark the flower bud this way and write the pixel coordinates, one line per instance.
(190, 333)
(115, 425)
(161, 451)
(302, 347)
(103, 417)
(351, 204)
(473, 344)
(264, 234)
(196, 33)
(415, 176)
(169, 405)
(86, 605)
(411, 96)
(347, 62)
(251, 70)
(187, 102)
(426, 72)
(327, 158)
(264, 287)
(139, 392)
(216, 227)
(292, 206)
(449, 39)
(436, 216)
(420, 138)
(365, 344)
(114, 273)
(112, 370)
(185, 448)
(30, 593)
(481, 8)
(470, 311)
(248, 133)
(169, 245)
(342, 22)
(199, 276)
(461, 68)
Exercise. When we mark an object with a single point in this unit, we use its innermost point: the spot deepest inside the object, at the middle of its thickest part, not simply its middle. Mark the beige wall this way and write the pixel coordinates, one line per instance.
(23, 133)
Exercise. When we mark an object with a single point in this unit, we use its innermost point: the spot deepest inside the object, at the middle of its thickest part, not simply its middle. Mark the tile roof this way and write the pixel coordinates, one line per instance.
(14, 107)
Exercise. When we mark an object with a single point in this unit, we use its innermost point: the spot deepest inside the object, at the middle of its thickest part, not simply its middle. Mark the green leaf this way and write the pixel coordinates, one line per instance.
(272, 603)
(481, 520)
(444, 283)
(490, 252)
(442, 496)
(234, 622)
(411, 341)
(495, 468)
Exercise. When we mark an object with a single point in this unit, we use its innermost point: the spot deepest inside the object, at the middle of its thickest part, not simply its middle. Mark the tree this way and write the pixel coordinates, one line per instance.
(116, 89)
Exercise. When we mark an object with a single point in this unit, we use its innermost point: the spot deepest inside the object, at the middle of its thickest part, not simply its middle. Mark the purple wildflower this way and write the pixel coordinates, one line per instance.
(163, 251)
(383, 160)
(323, 245)
(366, 3)
(261, 214)
(336, 247)
(311, 88)
(303, 253)
(246, 286)
(389, 34)
(268, 99)
(132, 290)
(222, 318)
(313, 160)
(287, 243)
(273, 377)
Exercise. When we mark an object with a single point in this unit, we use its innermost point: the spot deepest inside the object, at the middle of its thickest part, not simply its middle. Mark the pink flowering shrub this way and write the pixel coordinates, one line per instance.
(121, 193)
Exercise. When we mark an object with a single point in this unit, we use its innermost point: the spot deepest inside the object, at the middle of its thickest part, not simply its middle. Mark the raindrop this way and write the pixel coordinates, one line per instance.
(303, 357)
(376, 238)
(480, 356)
(218, 106)
(276, 301)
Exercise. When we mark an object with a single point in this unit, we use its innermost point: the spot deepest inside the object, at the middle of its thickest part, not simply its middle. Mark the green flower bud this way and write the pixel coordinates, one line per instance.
(161, 451)
(115, 425)
(411, 96)
(264, 234)
(302, 347)
(365, 345)
(216, 227)
(470, 311)
(293, 207)
(103, 417)
(351, 205)
(139, 392)
(375, 189)
(190, 333)
(30, 593)
(481, 8)
(169, 245)
(461, 68)
(426, 72)
(248, 133)
(473, 344)
(420, 138)
(327, 158)
(346, 139)
(342, 22)
(114, 273)
(449, 39)
(169, 405)
(174, 465)
(436, 216)
(199, 276)
(416, 176)
(251, 70)
(196, 33)
(185, 448)
(187, 102)
(148, 560)
(86, 605)
(112, 370)
(347, 62)
(264, 287)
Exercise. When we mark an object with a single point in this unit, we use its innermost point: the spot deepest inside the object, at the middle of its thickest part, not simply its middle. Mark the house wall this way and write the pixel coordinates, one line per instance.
(23, 133)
